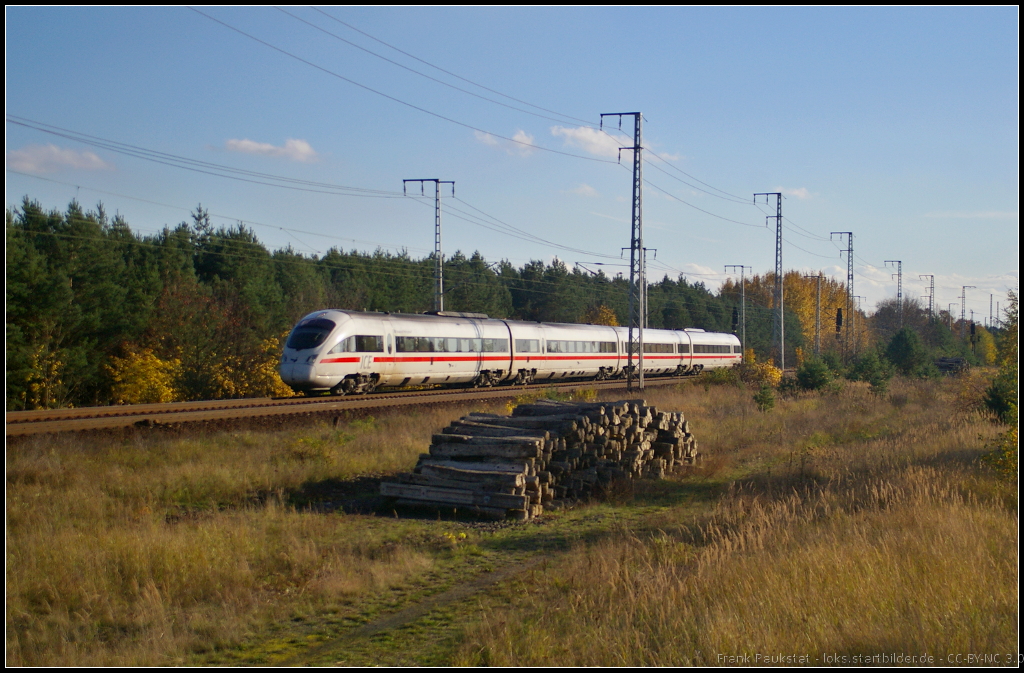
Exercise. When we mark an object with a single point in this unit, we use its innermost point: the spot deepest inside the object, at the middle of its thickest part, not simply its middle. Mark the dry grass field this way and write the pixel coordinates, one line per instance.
(856, 526)
(844, 523)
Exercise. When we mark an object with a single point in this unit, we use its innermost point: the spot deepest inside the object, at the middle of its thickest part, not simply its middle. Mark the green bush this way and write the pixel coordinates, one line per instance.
(720, 377)
(814, 374)
(874, 370)
(764, 398)
(1001, 395)
(908, 354)
(834, 363)
(789, 387)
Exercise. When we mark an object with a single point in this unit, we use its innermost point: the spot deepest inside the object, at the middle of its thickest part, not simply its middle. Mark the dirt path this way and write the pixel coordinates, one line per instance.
(322, 651)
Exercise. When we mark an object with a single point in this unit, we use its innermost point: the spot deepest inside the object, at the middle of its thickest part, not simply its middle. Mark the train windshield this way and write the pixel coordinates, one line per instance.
(310, 333)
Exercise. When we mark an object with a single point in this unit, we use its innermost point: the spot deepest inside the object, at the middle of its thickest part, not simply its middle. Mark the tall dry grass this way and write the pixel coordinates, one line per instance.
(148, 550)
(850, 526)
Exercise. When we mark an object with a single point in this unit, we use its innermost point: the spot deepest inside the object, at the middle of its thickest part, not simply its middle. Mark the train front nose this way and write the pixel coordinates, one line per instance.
(299, 376)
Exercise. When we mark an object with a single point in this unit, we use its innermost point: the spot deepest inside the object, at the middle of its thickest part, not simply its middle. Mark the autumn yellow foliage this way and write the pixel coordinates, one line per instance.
(47, 388)
(144, 378)
(600, 315)
(800, 294)
(985, 348)
(759, 373)
(238, 377)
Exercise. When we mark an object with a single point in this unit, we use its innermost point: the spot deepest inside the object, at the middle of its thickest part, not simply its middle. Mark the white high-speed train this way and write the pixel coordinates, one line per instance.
(349, 352)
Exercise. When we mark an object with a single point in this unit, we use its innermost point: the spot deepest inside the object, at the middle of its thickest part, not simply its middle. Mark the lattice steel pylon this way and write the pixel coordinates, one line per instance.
(849, 285)
(963, 308)
(817, 316)
(778, 317)
(899, 288)
(743, 303)
(931, 295)
(438, 256)
(637, 266)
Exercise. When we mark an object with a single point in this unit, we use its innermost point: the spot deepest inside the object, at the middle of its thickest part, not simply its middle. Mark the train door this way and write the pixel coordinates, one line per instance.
(685, 352)
(385, 362)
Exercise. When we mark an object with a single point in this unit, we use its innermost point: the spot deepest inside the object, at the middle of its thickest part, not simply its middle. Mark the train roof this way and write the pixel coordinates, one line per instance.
(434, 315)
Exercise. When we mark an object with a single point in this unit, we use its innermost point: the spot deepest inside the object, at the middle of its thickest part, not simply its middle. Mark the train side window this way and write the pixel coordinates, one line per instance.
(495, 345)
(340, 347)
(368, 343)
(528, 345)
(684, 348)
(608, 347)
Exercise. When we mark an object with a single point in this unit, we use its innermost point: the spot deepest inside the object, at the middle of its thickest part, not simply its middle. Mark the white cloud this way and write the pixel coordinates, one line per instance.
(486, 138)
(800, 193)
(589, 140)
(663, 155)
(521, 143)
(50, 158)
(524, 143)
(610, 217)
(584, 190)
(294, 150)
(700, 270)
(975, 215)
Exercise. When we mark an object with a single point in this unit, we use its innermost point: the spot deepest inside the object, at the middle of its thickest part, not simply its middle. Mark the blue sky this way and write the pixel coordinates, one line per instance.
(900, 125)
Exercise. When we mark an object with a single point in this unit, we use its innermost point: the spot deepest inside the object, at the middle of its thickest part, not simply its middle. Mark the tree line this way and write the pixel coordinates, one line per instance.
(100, 314)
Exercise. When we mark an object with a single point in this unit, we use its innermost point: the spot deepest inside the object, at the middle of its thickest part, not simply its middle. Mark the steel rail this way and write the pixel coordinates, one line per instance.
(43, 421)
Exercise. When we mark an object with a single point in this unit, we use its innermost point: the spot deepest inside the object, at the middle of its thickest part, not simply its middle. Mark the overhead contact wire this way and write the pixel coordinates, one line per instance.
(392, 98)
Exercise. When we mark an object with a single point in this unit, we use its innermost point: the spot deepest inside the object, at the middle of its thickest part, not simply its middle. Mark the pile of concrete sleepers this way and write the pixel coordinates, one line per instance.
(544, 455)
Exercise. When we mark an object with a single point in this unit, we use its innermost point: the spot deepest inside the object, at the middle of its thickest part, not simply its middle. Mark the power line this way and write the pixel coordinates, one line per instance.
(224, 217)
(199, 166)
(732, 197)
(269, 256)
(393, 98)
(273, 256)
(448, 72)
(706, 212)
(190, 164)
(788, 242)
(472, 219)
(561, 120)
(529, 235)
(800, 231)
(661, 170)
(727, 197)
(810, 234)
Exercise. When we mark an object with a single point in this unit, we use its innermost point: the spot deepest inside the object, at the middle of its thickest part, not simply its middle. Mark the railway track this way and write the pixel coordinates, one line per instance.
(43, 421)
